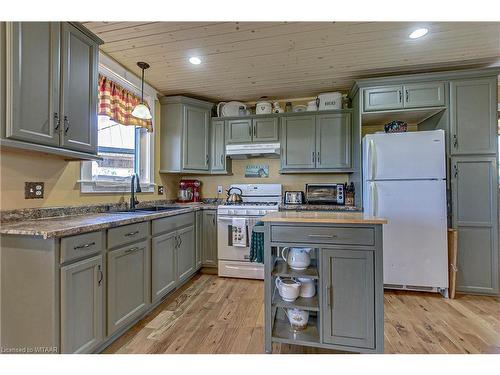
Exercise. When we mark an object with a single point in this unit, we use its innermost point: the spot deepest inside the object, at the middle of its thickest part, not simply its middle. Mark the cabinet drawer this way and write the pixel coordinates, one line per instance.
(323, 235)
(171, 223)
(127, 234)
(81, 245)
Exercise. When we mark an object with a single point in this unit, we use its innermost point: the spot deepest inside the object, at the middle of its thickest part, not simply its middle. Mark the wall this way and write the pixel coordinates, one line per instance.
(60, 176)
(289, 181)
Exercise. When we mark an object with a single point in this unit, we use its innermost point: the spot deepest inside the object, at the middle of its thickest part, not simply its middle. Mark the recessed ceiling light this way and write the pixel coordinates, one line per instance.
(418, 33)
(195, 60)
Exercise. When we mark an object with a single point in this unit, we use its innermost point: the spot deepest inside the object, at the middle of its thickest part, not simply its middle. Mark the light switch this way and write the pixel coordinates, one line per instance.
(33, 190)
(219, 189)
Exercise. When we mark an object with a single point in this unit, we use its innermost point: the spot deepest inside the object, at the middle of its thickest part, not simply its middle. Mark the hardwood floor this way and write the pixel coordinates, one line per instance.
(221, 315)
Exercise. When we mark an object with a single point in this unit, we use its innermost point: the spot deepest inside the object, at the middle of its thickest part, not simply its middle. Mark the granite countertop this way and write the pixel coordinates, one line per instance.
(322, 217)
(61, 226)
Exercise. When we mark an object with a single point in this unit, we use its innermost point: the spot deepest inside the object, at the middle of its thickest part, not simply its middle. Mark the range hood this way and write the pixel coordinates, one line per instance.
(245, 150)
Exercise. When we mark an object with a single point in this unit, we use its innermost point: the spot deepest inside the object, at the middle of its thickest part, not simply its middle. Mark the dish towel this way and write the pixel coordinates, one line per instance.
(257, 245)
(240, 232)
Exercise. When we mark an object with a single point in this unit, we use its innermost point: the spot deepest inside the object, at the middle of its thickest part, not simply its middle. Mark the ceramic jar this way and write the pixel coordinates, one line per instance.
(298, 318)
(288, 289)
(298, 258)
(307, 287)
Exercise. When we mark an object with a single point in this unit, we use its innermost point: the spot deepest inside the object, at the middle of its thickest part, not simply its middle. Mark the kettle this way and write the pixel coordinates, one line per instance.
(234, 197)
(298, 258)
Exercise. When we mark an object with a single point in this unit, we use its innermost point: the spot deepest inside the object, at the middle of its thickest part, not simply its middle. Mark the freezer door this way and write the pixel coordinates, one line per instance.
(415, 237)
(402, 156)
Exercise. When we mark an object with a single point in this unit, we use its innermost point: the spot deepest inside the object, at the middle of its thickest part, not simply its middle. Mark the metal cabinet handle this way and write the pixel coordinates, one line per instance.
(400, 96)
(318, 159)
(206, 159)
(322, 235)
(407, 95)
(455, 169)
(222, 159)
(312, 158)
(455, 141)
(131, 250)
(131, 233)
(213, 219)
(254, 130)
(180, 241)
(57, 121)
(66, 124)
(84, 246)
(101, 275)
(329, 295)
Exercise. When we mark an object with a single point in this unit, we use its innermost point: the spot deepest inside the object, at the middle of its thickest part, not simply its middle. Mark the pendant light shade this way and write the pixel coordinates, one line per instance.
(141, 110)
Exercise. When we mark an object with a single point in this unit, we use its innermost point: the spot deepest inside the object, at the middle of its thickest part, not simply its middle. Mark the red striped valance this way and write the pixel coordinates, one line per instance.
(118, 103)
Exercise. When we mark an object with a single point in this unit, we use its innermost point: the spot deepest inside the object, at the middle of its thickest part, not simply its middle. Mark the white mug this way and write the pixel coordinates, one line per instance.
(307, 287)
(288, 289)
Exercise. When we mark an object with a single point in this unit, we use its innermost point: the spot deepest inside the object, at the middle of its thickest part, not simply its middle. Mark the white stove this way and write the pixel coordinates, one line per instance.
(258, 200)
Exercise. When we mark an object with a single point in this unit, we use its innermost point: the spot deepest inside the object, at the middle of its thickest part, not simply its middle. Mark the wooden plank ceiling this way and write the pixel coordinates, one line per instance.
(247, 60)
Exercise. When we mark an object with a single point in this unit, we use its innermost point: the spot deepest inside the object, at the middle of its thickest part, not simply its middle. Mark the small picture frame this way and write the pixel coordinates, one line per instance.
(257, 171)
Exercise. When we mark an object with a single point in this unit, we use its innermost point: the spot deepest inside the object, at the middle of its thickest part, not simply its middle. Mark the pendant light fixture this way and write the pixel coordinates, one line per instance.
(141, 110)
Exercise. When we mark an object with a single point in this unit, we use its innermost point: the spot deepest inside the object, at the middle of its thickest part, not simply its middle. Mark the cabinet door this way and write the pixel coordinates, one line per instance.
(128, 284)
(209, 251)
(196, 141)
(239, 131)
(348, 305)
(199, 237)
(163, 265)
(474, 184)
(333, 141)
(382, 98)
(218, 147)
(186, 253)
(473, 116)
(265, 130)
(79, 90)
(82, 313)
(32, 97)
(427, 94)
(298, 142)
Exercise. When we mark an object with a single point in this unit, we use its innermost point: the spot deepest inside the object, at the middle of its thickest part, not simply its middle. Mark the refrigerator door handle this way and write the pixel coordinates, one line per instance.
(371, 159)
(373, 198)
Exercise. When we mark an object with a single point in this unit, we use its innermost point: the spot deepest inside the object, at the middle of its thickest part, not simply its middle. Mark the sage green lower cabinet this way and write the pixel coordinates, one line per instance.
(348, 299)
(265, 129)
(474, 184)
(82, 303)
(185, 253)
(239, 131)
(163, 265)
(128, 284)
(333, 141)
(298, 142)
(199, 237)
(209, 250)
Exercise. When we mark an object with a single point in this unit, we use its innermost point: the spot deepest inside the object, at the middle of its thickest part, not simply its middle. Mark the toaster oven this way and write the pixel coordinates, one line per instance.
(325, 194)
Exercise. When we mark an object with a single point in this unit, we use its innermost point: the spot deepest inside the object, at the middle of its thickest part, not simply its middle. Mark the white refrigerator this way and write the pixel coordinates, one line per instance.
(404, 176)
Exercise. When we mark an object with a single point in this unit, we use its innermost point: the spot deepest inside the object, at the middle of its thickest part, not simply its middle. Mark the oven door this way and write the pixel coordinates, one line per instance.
(225, 248)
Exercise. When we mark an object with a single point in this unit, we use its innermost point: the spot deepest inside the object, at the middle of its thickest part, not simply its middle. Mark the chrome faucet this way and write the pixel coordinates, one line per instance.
(133, 190)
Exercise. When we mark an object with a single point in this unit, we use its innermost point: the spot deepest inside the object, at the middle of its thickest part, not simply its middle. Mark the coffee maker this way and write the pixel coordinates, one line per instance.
(189, 191)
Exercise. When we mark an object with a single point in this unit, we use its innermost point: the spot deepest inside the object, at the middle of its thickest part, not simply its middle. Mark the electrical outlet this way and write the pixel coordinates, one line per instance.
(219, 189)
(33, 190)
(160, 190)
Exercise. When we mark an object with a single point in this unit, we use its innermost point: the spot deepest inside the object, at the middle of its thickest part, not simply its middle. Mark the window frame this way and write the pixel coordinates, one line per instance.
(128, 80)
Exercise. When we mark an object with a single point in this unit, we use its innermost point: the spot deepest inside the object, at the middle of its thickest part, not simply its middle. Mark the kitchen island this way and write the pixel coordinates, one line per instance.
(347, 311)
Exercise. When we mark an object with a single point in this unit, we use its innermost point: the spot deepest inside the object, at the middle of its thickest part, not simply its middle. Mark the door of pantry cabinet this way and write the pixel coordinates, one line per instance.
(333, 141)
(199, 237)
(298, 142)
(82, 314)
(473, 116)
(163, 265)
(209, 250)
(195, 153)
(348, 305)
(79, 90)
(239, 131)
(265, 130)
(33, 74)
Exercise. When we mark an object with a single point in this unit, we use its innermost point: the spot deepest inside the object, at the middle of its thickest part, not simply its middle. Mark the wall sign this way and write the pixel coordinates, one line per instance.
(258, 171)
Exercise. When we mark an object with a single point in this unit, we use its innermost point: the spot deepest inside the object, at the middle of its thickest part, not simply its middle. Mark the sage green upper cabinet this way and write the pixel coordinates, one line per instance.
(196, 138)
(79, 90)
(383, 98)
(426, 94)
(186, 253)
(217, 147)
(185, 135)
(298, 142)
(473, 116)
(474, 185)
(239, 131)
(348, 297)
(128, 284)
(265, 129)
(163, 268)
(333, 141)
(33, 66)
(82, 298)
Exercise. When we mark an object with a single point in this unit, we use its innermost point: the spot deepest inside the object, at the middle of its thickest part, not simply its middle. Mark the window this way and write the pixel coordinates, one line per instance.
(125, 150)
